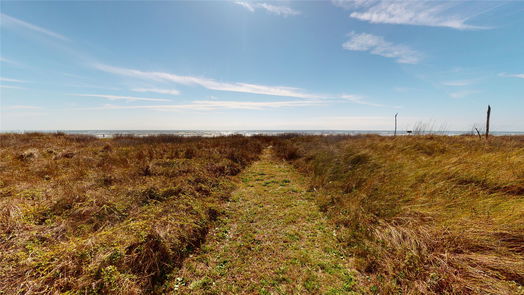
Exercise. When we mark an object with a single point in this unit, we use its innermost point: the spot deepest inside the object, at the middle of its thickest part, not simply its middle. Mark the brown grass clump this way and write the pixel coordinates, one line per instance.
(81, 215)
(423, 214)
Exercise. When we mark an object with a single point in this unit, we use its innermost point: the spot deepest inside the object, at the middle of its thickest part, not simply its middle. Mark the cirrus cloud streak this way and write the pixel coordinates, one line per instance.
(118, 97)
(209, 83)
(210, 105)
(449, 14)
(157, 90)
(378, 46)
(273, 9)
(521, 76)
(14, 22)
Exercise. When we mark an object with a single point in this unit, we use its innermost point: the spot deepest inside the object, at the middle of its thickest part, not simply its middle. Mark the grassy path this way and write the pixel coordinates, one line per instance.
(272, 239)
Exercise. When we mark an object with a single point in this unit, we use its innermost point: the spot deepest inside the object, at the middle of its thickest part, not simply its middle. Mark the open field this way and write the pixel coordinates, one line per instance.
(423, 215)
(84, 215)
(231, 215)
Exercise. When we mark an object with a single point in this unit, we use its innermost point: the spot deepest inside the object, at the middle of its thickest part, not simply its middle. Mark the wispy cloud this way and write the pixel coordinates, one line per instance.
(521, 76)
(458, 83)
(9, 61)
(274, 9)
(126, 98)
(246, 5)
(378, 46)
(360, 100)
(279, 10)
(11, 87)
(231, 87)
(157, 90)
(462, 94)
(210, 83)
(22, 107)
(11, 21)
(450, 14)
(11, 80)
(256, 105)
(210, 105)
(13, 63)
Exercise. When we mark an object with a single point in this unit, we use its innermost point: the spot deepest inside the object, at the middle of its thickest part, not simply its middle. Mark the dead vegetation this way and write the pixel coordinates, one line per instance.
(422, 214)
(81, 215)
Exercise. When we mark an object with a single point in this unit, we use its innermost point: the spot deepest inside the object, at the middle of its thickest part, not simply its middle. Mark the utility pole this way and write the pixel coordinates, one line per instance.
(487, 121)
(395, 134)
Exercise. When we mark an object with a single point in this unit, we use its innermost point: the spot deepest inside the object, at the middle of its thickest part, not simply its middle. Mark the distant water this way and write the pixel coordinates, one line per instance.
(213, 133)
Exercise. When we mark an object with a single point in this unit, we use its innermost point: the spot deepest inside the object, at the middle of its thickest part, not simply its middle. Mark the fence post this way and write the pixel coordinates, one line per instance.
(487, 121)
(395, 134)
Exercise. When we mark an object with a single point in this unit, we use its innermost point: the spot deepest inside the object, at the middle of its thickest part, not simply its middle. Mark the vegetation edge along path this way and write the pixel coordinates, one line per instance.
(271, 239)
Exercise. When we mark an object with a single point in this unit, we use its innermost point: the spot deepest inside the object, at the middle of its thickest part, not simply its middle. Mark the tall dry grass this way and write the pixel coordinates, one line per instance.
(422, 214)
(81, 215)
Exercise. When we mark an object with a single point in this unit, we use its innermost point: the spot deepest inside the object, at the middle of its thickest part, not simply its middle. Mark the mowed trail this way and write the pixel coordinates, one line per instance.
(272, 239)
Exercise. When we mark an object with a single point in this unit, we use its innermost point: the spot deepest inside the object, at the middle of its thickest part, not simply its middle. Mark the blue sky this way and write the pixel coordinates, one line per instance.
(261, 65)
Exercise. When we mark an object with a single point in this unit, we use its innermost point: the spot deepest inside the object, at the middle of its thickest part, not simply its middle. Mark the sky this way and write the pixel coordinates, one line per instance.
(254, 65)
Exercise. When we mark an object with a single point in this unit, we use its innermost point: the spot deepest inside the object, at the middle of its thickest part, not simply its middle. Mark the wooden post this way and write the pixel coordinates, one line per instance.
(395, 134)
(487, 121)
